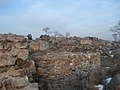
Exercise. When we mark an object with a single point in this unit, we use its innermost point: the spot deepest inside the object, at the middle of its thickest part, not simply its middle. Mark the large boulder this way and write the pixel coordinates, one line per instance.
(13, 83)
(16, 82)
(38, 45)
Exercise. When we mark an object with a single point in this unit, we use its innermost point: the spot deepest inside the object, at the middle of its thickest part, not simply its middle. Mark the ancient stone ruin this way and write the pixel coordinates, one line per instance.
(49, 63)
(15, 65)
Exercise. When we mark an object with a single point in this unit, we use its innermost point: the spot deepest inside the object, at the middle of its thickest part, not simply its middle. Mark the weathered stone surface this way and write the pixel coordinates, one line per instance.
(6, 59)
(7, 46)
(20, 45)
(1, 46)
(13, 72)
(40, 71)
(23, 54)
(17, 45)
(86, 41)
(93, 88)
(29, 67)
(2, 37)
(35, 46)
(23, 46)
(13, 83)
(15, 79)
(30, 87)
(115, 83)
(14, 63)
(14, 51)
(19, 38)
(96, 76)
(11, 38)
(38, 45)
(17, 82)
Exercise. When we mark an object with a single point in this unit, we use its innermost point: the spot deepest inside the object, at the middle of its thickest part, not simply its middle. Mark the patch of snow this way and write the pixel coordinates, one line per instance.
(71, 64)
(108, 80)
(99, 86)
(110, 52)
(107, 67)
(26, 77)
(112, 56)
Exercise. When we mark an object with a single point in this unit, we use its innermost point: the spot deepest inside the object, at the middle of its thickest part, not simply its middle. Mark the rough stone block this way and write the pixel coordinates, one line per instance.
(23, 54)
(6, 59)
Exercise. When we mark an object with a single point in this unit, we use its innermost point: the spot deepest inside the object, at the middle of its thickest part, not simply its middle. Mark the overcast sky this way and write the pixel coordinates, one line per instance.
(79, 17)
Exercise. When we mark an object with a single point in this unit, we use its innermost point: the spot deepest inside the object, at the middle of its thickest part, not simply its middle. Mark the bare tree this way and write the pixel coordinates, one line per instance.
(46, 29)
(56, 33)
(116, 29)
(115, 36)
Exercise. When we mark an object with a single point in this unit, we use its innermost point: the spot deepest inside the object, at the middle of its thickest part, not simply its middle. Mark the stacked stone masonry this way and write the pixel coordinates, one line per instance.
(22, 59)
(14, 63)
(63, 70)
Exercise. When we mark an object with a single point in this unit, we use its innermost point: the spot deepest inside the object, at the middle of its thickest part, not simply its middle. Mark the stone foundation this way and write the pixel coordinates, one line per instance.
(66, 70)
(24, 63)
(14, 63)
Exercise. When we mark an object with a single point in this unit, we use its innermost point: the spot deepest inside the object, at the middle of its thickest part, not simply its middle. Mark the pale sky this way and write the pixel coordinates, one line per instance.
(79, 17)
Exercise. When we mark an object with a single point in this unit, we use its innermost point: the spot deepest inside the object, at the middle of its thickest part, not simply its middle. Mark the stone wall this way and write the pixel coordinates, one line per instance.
(24, 63)
(14, 63)
(38, 45)
(66, 70)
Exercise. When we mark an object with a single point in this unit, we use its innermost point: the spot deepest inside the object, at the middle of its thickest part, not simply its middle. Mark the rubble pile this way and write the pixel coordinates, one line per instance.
(60, 63)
